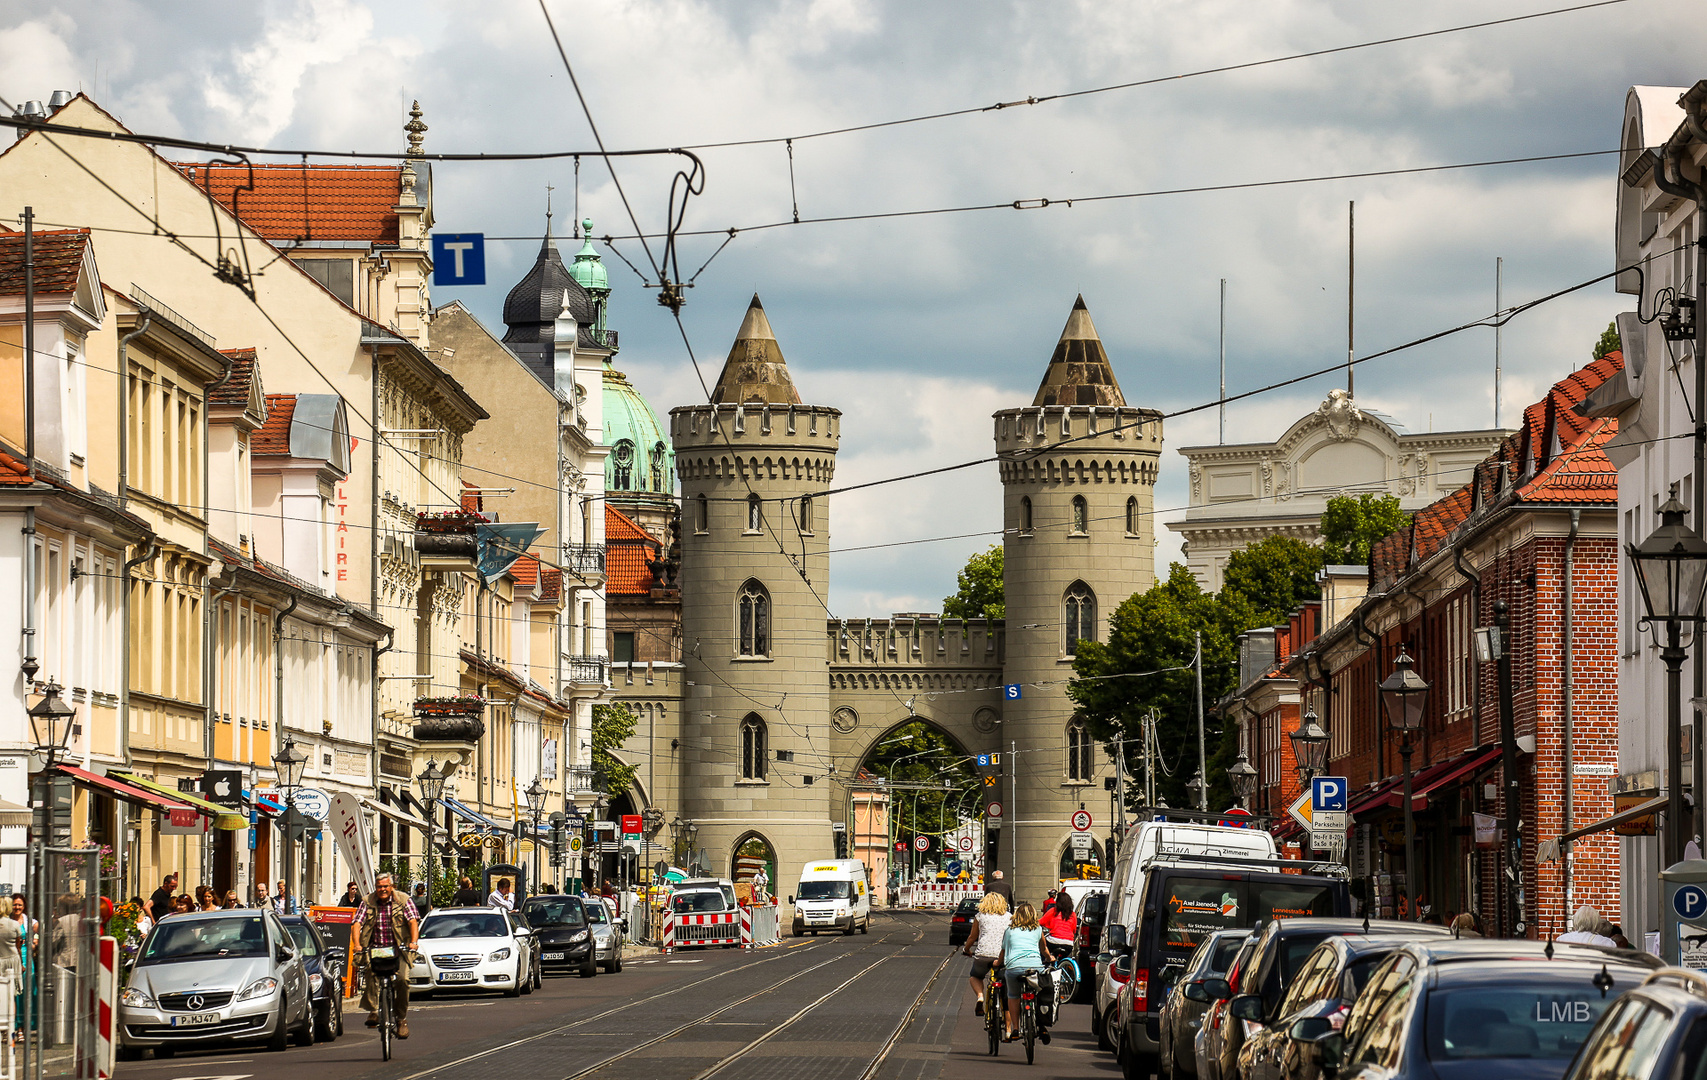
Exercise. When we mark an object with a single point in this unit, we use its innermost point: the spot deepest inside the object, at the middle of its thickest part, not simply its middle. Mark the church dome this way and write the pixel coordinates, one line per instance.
(640, 461)
(588, 269)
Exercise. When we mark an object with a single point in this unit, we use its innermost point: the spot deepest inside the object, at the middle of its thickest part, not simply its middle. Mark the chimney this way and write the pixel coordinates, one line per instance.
(60, 99)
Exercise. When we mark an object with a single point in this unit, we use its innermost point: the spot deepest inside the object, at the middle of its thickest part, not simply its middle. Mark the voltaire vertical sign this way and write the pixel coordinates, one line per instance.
(345, 819)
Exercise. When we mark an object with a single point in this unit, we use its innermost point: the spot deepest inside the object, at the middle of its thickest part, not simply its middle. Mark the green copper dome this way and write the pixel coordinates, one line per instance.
(640, 459)
(588, 270)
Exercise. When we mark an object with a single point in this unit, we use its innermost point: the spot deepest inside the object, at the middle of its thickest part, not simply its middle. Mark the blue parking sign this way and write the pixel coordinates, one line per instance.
(1690, 902)
(459, 258)
(1328, 793)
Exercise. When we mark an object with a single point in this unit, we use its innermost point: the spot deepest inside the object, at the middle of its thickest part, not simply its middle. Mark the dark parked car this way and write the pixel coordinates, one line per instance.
(1516, 1010)
(1327, 985)
(565, 937)
(1658, 1029)
(960, 923)
(1209, 1036)
(1091, 912)
(325, 966)
(1182, 1013)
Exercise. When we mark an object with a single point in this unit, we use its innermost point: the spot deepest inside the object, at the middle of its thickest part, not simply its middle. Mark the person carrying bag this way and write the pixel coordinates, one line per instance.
(984, 940)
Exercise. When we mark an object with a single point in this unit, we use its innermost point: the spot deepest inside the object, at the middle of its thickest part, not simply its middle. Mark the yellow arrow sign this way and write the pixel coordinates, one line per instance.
(1300, 810)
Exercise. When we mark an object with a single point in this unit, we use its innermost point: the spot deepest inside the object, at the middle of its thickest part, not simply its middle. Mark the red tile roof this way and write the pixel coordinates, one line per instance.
(526, 572)
(628, 548)
(58, 259)
(550, 583)
(235, 390)
(274, 435)
(321, 202)
(12, 471)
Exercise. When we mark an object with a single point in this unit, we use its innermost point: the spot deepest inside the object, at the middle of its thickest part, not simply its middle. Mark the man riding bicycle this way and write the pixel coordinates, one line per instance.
(387, 918)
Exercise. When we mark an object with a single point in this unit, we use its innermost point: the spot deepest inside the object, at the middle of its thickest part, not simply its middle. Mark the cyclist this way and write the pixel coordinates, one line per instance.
(387, 918)
(984, 940)
(1060, 925)
(1021, 955)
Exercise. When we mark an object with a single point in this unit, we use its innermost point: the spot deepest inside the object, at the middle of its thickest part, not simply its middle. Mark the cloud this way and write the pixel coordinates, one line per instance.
(259, 94)
(36, 58)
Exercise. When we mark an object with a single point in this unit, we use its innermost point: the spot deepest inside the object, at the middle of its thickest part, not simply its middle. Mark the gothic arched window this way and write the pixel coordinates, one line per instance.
(1132, 515)
(1081, 516)
(754, 740)
(658, 467)
(1080, 610)
(622, 458)
(701, 515)
(753, 620)
(755, 514)
(806, 513)
(1025, 515)
(1078, 752)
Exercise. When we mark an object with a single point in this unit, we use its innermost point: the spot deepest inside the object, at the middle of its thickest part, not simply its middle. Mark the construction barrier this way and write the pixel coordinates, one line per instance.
(937, 894)
(719, 928)
(106, 1010)
(766, 924)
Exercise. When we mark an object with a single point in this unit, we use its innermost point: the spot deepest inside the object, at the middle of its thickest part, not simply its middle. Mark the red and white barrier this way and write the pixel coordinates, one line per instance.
(718, 928)
(106, 1013)
(937, 894)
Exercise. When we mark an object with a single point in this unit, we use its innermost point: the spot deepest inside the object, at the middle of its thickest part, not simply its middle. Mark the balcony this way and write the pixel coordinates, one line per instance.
(453, 719)
(587, 672)
(585, 561)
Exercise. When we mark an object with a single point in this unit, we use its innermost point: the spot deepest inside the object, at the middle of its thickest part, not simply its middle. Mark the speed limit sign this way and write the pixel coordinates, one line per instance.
(1081, 821)
(921, 843)
(966, 843)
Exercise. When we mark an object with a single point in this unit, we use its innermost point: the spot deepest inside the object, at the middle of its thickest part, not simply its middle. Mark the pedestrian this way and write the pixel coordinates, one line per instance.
(186, 904)
(30, 938)
(1617, 936)
(260, 899)
(421, 901)
(160, 903)
(609, 889)
(66, 927)
(1585, 929)
(283, 902)
(1021, 955)
(144, 921)
(984, 940)
(1464, 925)
(231, 900)
(998, 885)
(761, 885)
(501, 896)
(466, 896)
(387, 919)
(352, 897)
(205, 898)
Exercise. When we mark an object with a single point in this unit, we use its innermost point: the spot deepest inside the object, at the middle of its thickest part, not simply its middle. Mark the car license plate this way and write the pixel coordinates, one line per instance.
(553, 956)
(456, 976)
(195, 1019)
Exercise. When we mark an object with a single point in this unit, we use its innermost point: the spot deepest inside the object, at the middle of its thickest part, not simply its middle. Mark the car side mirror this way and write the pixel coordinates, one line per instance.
(1194, 991)
(1105, 958)
(285, 954)
(1309, 1029)
(1246, 1007)
(791, 898)
(1217, 989)
(1117, 940)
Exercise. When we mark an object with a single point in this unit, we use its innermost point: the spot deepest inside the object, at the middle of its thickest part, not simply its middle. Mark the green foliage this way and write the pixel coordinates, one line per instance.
(1155, 630)
(1353, 523)
(612, 726)
(980, 588)
(919, 753)
(1609, 341)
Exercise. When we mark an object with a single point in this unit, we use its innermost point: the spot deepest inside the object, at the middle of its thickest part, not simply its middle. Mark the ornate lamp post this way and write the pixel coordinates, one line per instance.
(692, 832)
(535, 794)
(431, 781)
(1243, 778)
(1309, 746)
(1671, 569)
(50, 726)
(289, 761)
(1404, 694)
(1194, 789)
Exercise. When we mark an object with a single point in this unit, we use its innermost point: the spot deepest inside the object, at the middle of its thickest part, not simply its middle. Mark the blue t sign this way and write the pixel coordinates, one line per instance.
(459, 258)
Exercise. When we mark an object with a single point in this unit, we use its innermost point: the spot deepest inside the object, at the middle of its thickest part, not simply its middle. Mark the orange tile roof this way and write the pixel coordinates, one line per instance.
(321, 202)
(550, 583)
(235, 390)
(525, 570)
(12, 471)
(58, 258)
(628, 548)
(274, 435)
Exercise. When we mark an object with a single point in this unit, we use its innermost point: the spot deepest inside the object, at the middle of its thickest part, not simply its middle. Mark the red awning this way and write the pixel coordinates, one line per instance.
(1381, 795)
(109, 786)
(1451, 773)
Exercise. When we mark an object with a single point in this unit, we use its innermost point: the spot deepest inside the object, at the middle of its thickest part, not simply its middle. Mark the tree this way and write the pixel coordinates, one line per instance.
(612, 726)
(980, 588)
(1609, 341)
(1353, 523)
(919, 753)
(1273, 577)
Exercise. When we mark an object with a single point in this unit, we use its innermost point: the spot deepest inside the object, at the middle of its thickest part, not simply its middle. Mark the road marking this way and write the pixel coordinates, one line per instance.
(684, 961)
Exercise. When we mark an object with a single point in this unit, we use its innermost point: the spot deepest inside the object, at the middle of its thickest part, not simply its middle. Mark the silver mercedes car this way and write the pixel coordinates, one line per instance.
(608, 933)
(203, 978)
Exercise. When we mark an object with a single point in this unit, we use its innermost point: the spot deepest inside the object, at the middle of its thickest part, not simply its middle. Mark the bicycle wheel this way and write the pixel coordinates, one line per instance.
(385, 1020)
(1028, 1027)
(993, 1010)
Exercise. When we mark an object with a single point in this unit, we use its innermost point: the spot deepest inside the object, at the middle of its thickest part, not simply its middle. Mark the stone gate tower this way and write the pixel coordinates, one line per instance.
(755, 734)
(1078, 476)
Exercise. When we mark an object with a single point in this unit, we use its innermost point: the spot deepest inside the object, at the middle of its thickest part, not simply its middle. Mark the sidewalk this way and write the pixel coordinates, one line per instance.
(1072, 1050)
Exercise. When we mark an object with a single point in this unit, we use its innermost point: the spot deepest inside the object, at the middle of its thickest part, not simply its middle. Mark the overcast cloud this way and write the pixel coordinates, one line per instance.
(918, 328)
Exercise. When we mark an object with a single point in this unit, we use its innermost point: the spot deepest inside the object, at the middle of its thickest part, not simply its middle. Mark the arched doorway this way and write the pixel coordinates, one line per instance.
(752, 853)
(915, 782)
(1091, 866)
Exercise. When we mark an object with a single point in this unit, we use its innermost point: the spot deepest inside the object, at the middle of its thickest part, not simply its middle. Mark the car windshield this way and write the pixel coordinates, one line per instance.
(1544, 1016)
(204, 939)
(704, 900)
(598, 913)
(465, 924)
(558, 911)
(1360, 969)
(1225, 950)
(826, 890)
(306, 942)
(1195, 907)
(1093, 906)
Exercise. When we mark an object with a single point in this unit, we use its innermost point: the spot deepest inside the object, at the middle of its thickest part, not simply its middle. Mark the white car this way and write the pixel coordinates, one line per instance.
(473, 948)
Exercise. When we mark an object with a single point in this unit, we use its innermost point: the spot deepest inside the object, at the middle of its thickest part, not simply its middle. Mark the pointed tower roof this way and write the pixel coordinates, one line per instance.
(755, 373)
(588, 269)
(1079, 372)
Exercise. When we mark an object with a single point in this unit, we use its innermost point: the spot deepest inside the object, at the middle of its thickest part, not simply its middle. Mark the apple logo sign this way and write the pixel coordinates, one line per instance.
(222, 788)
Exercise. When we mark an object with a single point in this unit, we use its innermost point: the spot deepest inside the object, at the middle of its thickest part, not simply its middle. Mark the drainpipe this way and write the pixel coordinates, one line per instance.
(1475, 580)
(279, 719)
(146, 553)
(124, 409)
(1565, 717)
(29, 666)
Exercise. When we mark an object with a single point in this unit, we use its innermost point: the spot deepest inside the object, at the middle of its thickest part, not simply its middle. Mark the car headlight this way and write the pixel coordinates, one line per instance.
(258, 988)
(136, 999)
(501, 954)
(314, 982)
(577, 938)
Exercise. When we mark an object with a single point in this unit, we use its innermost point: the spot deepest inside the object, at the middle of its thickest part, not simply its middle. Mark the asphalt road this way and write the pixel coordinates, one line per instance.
(891, 1005)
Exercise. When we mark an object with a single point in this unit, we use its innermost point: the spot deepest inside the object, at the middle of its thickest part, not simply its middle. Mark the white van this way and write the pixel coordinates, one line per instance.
(834, 894)
(1152, 838)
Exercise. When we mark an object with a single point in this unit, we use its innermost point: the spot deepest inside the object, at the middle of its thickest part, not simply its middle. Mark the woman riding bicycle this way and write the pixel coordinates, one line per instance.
(1060, 925)
(1021, 955)
(984, 940)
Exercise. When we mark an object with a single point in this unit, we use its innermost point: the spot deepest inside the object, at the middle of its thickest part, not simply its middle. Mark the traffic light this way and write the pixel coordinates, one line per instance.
(559, 837)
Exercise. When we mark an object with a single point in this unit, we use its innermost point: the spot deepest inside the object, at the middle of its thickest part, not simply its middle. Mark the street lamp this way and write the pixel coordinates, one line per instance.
(1404, 694)
(535, 794)
(1194, 789)
(431, 781)
(1309, 746)
(50, 726)
(289, 762)
(691, 829)
(1243, 778)
(1671, 569)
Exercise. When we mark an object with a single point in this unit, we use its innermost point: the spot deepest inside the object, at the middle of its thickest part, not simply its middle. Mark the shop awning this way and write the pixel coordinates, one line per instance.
(264, 805)
(1629, 813)
(223, 818)
(133, 794)
(1375, 798)
(471, 816)
(396, 815)
(1442, 775)
(13, 814)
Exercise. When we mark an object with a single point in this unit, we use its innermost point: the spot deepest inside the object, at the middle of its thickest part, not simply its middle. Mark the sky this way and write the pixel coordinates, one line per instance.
(919, 327)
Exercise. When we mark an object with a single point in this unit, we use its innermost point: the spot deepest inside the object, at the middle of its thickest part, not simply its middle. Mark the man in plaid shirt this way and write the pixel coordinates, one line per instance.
(387, 918)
